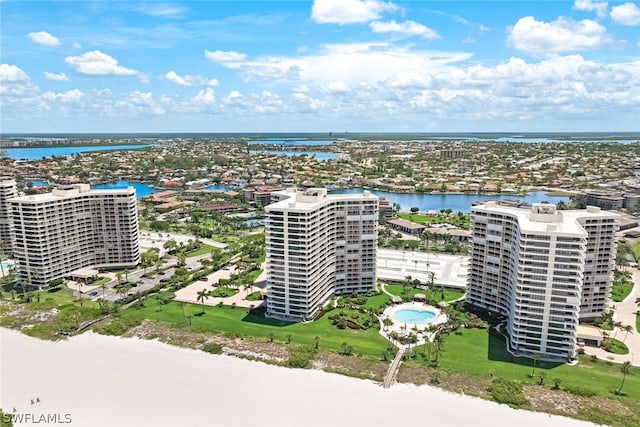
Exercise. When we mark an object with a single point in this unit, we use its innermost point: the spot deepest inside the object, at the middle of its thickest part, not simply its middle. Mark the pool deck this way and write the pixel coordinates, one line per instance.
(422, 330)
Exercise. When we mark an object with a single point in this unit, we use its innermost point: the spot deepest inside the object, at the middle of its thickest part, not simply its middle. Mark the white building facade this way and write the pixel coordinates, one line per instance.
(7, 191)
(544, 270)
(318, 245)
(73, 227)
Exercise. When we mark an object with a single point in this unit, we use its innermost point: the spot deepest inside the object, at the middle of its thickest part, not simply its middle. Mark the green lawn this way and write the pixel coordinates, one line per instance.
(460, 221)
(636, 249)
(254, 296)
(227, 319)
(620, 290)
(223, 292)
(377, 301)
(480, 353)
(57, 297)
(449, 295)
(615, 346)
(202, 250)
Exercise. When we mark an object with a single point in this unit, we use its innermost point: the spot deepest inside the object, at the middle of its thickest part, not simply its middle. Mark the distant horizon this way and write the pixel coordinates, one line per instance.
(514, 134)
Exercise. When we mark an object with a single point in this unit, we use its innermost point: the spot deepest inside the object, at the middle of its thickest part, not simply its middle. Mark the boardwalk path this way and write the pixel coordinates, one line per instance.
(391, 373)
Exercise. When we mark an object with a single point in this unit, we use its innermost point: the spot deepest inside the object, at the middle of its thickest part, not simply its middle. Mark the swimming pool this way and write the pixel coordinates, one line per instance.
(415, 316)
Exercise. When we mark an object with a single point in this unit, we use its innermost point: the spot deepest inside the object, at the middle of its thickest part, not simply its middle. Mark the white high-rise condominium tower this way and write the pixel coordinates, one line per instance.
(7, 191)
(72, 227)
(318, 245)
(544, 270)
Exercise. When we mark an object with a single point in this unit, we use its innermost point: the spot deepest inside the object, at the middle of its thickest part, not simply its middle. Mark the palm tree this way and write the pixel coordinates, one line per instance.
(556, 383)
(288, 338)
(184, 316)
(80, 293)
(616, 326)
(626, 329)
(103, 286)
(438, 348)
(625, 369)
(202, 296)
(542, 376)
(535, 357)
(316, 342)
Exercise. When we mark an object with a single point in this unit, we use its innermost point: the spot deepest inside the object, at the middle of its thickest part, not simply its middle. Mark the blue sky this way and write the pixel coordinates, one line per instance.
(319, 66)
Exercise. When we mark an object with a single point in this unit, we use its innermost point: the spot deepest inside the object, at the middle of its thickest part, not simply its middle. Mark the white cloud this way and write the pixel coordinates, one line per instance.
(224, 56)
(59, 77)
(349, 11)
(188, 80)
(73, 96)
(76, 45)
(45, 39)
(164, 10)
(206, 96)
(561, 35)
(406, 28)
(13, 74)
(626, 14)
(96, 63)
(14, 81)
(599, 6)
(351, 63)
(336, 87)
(233, 97)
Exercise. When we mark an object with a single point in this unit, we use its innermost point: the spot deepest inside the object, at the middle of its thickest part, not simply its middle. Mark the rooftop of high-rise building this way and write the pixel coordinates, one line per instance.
(309, 198)
(545, 217)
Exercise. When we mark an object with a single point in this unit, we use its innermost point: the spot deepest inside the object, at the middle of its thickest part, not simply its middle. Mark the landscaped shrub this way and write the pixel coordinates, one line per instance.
(118, 326)
(506, 391)
(579, 391)
(300, 356)
(212, 348)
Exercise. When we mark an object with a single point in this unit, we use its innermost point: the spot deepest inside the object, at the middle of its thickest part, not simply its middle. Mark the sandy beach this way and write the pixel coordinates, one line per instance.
(95, 380)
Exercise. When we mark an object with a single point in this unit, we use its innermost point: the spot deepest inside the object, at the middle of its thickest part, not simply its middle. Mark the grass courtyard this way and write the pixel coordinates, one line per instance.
(438, 294)
(478, 352)
(230, 320)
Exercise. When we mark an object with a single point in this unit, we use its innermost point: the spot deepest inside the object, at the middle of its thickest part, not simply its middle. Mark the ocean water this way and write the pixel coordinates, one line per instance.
(319, 155)
(38, 153)
(142, 189)
(455, 202)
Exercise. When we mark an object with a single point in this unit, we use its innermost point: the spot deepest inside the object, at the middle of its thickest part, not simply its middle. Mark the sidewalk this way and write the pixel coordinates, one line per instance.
(190, 293)
(625, 313)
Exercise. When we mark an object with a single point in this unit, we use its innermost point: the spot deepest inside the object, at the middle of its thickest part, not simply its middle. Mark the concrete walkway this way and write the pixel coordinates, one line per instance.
(625, 313)
(190, 293)
(393, 369)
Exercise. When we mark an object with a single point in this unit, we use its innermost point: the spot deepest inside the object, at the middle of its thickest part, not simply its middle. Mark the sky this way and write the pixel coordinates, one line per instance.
(319, 66)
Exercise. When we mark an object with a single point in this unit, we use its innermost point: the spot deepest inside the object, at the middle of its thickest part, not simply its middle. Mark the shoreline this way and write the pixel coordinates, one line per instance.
(139, 376)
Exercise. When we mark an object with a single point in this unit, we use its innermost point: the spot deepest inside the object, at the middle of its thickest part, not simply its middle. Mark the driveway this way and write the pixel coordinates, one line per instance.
(625, 313)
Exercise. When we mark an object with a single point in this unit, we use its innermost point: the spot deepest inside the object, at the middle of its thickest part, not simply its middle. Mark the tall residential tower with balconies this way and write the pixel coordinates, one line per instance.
(544, 270)
(318, 245)
(73, 227)
(7, 191)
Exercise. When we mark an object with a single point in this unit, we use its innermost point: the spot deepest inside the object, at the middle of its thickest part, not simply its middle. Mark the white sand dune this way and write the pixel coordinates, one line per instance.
(108, 381)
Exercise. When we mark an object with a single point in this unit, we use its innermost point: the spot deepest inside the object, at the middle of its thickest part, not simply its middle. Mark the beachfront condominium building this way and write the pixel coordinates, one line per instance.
(544, 270)
(318, 245)
(73, 227)
(7, 191)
